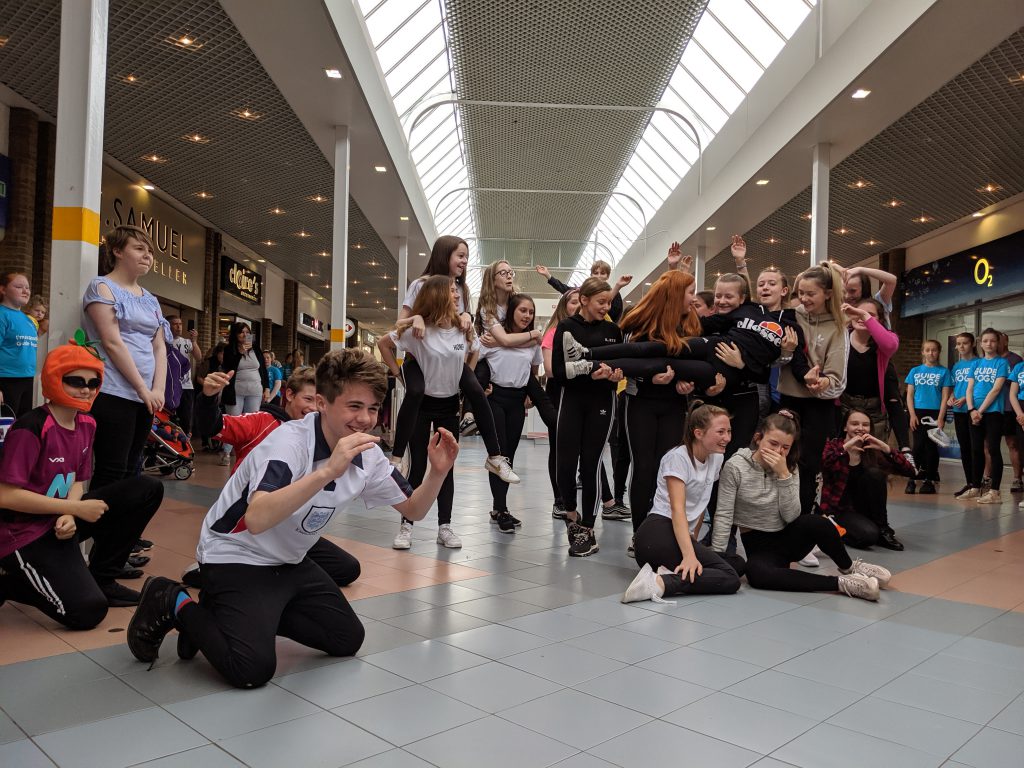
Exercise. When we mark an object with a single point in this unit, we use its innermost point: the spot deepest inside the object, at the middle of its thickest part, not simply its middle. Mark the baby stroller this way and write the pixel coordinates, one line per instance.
(168, 449)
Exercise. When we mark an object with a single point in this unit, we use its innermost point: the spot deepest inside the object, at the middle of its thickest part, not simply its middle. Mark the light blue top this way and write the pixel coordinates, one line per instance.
(139, 319)
(984, 375)
(961, 373)
(928, 382)
(18, 341)
(1017, 374)
(274, 374)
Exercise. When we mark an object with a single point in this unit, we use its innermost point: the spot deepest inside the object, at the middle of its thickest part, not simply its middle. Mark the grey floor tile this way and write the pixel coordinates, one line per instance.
(342, 683)
(915, 728)
(894, 633)
(947, 616)
(425, 660)
(322, 740)
(493, 687)
(563, 664)
(672, 629)
(497, 584)
(9, 731)
(627, 647)
(821, 618)
(770, 762)
(23, 754)
(661, 743)
(402, 717)
(103, 744)
(827, 746)
(645, 691)
(52, 709)
(384, 637)
(794, 694)
(714, 614)
(746, 724)
(862, 649)
(583, 760)
(393, 758)
(231, 713)
(988, 651)
(445, 594)
(594, 720)
(610, 614)
(820, 666)
(51, 673)
(1012, 718)
(784, 630)
(973, 705)
(117, 660)
(388, 606)
(707, 669)
(1007, 629)
(495, 641)
(493, 742)
(741, 644)
(553, 625)
(210, 756)
(992, 749)
(973, 674)
(177, 681)
(496, 608)
(436, 622)
(498, 564)
(548, 596)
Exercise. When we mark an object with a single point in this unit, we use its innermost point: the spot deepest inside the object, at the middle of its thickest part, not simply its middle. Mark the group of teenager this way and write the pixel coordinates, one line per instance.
(728, 416)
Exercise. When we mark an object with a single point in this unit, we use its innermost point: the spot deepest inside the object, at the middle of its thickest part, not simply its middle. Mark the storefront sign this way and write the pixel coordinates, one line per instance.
(990, 271)
(179, 244)
(308, 321)
(239, 281)
(350, 328)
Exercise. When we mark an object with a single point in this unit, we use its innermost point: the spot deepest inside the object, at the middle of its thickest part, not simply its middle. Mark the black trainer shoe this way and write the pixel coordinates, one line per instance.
(571, 529)
(129, 573)
(118, 595)
(154, 617)
(506, 523)
(144, 545)
(617, 511)
(911, 488)
(193, 576)
(187, 650)
(887, 539)
(927, 487)
(584, 542)
(137, 561)
(558, 510)
(515, 520)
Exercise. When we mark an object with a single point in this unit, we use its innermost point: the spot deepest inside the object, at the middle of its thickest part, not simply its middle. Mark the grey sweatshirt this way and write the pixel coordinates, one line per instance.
(751, 496)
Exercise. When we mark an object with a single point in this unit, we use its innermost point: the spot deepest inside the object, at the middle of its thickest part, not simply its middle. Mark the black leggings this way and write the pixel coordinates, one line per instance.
(584, 424)
(926, 452)
(554, 393)
(817, 425)
(509, 408)
(962, 426)
(435, 413)
(405, 423)
(242, 608)
(618, 444)
(655, 545)
(863, 508)
(696, 362)
(51, 575)
(770, 554)
(895, 407)
(121, 429)
(989, 432)
(17, 392)
(653, 427)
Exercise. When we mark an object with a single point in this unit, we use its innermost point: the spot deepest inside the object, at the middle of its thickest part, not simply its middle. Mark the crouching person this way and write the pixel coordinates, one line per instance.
(258, 580)
(45, 513)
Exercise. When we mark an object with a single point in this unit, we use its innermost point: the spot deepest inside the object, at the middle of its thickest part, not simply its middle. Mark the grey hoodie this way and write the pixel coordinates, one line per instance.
(751, 496)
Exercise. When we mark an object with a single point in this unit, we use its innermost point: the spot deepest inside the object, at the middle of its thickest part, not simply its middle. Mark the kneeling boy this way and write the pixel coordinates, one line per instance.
(258, 581)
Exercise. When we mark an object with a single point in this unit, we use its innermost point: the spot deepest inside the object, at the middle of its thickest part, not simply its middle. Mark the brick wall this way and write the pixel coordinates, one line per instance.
(207, 325)
(42, 245)
(284, 337)
(17, 246)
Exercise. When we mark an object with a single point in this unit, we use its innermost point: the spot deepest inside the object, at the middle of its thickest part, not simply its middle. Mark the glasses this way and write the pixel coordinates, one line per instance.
(506, 273)
(78, 382)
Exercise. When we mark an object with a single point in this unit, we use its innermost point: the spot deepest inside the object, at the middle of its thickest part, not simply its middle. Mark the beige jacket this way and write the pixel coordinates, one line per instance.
(828, 346)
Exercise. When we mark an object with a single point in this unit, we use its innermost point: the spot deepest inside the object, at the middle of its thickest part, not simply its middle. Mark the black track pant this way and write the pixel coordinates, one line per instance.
(989, 432)
(121, 429)
(962, 426)
(243, 608)
(509, 408)
(342, 567)
(863, 509)
(619, 449)
(412, 377)
(653, 427)
(770, 554)
(51, 575)
(926, 453)
(817, 425)
(584, 423)
(17, 392)
(896, 408)
(655, 545)
(435, 413)
(554, 393)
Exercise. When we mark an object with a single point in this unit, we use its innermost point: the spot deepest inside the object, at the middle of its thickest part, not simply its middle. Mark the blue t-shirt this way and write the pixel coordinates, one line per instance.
(984, 376)
(18, 341)
(961, 373)
(1012, 361)
(928, 382)
(1017, 374)
(274, 374)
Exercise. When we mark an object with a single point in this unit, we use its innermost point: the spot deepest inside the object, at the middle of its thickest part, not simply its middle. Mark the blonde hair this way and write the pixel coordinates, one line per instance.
(828, 277)
(487, 306)
(600, 266)
(699, 416)
(561, 309)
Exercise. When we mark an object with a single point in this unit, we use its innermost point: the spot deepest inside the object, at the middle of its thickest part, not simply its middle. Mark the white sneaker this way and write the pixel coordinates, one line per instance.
(971, 493)
(882, 575)
(501, 467)
(578, 368)
(404, 538)
(859, 585)
(446, 537)
(1020, 505)
(810, 561)
(225, 459)
(644, 587)
(571, 349)
(990, 497)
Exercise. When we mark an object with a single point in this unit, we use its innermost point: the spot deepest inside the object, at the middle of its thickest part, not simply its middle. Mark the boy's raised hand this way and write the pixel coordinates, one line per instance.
(347, 449)
(543, 271)
(442, 451)
(215, 382)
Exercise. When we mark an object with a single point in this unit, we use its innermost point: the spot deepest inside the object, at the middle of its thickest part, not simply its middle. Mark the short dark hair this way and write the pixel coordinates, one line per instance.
(344, 366)
(117, 238)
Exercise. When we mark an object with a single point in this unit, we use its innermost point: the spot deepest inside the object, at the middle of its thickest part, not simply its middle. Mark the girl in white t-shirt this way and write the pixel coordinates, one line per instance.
(672, 561)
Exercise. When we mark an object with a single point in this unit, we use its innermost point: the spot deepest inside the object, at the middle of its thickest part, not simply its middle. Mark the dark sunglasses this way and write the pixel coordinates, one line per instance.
(77, 382)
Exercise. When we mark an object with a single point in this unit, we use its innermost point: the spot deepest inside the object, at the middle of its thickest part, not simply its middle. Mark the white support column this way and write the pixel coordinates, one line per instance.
(339, 250)
(79, 162)
(819, 204)
(700, 263)
(403, 270)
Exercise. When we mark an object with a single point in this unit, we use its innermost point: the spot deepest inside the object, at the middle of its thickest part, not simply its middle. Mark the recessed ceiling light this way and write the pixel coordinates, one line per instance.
(807, 217)
(276, 211)
(802, 252)
(302, 233)
(872, 241)
(421, 253)
(268, 242)
(317, 199)
(196, 138)
(762, 182)
(380, 169)
(646, 283)
(771, 241)
(129, 78)
(859, 184)
(990, 188)
(204, 195)
(358, 246)
(842, 230)
(372, 263)
(154, 158)
(147, 187)
(922, 219)
(186, 41)
(246, 114)
(327, 285)
(861, 93)
(355, 282)
(894, 203)
(323, 253)
(262, 261)
(977, 214)
(3, 40)
(403, 218)
(334, 74)
(711, 229)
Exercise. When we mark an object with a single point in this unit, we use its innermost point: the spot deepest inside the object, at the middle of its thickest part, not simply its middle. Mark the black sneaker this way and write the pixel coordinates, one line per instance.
(144, 545)
(887, 539)
(154, 617)
(911, 489)
(558, 510)
(137, 561)
(927, 487)
(515, 520)
(506, 523)
(468, 426)
(193, 576)
(584, 542)
(571, 529)
(617, 511)
(187, 650)
(118, 595)
(129, 573)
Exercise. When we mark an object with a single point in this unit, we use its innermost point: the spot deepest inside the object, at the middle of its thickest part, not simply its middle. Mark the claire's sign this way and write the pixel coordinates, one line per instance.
(239, 281)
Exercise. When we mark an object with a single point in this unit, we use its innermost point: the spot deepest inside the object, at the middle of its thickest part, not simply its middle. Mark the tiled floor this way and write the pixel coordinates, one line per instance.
(508, 653)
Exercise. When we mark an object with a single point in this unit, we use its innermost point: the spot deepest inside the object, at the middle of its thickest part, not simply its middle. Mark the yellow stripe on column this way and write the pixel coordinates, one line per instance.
(338, 335)
(79, 224)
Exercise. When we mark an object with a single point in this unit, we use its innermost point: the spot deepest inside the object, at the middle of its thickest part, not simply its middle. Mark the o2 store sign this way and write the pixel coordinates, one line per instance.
(239, 281)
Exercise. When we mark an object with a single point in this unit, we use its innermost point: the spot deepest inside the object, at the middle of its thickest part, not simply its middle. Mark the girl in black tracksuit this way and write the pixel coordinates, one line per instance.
(585, 413)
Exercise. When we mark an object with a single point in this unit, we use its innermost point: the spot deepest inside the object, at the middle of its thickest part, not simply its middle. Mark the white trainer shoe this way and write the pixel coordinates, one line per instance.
(576, 368)
(225, 459)
(572, 350)
(446, 537)
(882, 575)
(404, 538)
(990, 497)
(644, 587)
(859, 585)
(810, 561)
(502, 467)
